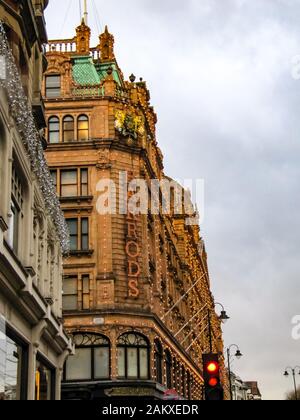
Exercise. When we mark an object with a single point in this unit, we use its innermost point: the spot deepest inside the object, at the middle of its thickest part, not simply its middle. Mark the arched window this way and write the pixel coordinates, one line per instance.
(83, 128)
(168, 359)
(68, 129)
(53, 130)
(158, 361)
(92, 358)
(133, 357)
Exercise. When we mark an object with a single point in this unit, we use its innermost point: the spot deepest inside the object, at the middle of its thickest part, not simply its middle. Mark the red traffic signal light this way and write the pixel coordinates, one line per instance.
(212, 367)
(211, 374)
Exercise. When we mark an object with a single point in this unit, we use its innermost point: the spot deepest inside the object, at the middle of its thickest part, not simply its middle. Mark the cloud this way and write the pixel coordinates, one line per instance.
(219, 72)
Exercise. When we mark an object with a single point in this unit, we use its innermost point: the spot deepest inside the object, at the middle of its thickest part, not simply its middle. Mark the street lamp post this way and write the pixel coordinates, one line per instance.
(223, 318)
(293, 371)
(238, 355)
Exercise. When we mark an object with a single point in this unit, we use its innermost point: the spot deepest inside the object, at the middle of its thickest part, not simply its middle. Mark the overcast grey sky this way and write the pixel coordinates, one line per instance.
(219, 72)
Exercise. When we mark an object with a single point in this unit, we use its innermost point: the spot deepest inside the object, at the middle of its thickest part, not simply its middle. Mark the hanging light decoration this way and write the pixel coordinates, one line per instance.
(24, 120)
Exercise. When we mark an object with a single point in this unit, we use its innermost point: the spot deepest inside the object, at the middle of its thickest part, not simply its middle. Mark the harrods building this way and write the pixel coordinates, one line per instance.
(137, 333)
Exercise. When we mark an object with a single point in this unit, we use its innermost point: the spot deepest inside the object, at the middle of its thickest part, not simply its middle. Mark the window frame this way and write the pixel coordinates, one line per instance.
(51, 131)
(81, 119)
(126, 348)
(67, 130)
(49, 89)
(81, 183)
(13, 336)
(92, 347)
(81, 291)
(41, 359)
(16, 208)
(80, 233)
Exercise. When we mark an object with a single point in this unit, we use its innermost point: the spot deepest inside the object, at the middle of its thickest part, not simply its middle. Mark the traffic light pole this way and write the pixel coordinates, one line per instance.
(229, 374)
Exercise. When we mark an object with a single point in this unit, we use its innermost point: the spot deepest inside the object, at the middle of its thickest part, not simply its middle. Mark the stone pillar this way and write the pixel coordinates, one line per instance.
(32, 353)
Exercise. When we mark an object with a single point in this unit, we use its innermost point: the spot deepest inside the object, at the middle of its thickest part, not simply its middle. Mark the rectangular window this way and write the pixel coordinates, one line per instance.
(73, 229)
(44, 382)
(83, 182)
(16, 205)
(79, 234)
(68, 183)
(132, 360)
(11, 357)
(144, 368)
(85, 292)
(71, 182)
(101, 363)
(70, 295)
(53, 88)
(121, 363)
(79, 367)
(84, 234)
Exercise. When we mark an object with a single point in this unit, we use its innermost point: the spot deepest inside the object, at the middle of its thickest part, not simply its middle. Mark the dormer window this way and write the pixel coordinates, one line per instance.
(53, 86)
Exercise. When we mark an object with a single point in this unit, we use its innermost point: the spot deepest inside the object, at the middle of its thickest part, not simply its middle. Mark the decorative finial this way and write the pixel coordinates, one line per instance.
(132, 78)
(107, 46)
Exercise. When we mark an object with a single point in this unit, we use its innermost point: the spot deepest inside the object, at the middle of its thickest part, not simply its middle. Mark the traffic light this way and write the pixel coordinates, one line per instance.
(211, 373)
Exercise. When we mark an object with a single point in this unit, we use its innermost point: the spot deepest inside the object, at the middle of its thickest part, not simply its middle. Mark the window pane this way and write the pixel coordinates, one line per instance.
(69, 190)
(10, 369)
(101, 363)
(54, 137)
(43, 388)
(73, 226)
(54, 124)
(86, 284)
(83, 135)
(69, 177)
(84, 226)
(70, 303)
(73, 243)
(84, 176)
(121, 362)
(78, 367)
(144, 373)
(84, 243)
(68, 136)
(53, 81)
(132, 360)
(70, 285)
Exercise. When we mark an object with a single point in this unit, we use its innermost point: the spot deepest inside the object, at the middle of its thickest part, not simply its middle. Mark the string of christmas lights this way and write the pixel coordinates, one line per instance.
(24, 120)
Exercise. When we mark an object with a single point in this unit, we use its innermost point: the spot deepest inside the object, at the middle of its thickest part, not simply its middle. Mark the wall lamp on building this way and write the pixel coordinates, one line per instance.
(223, 316)
(238, 355)
(293, 372)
